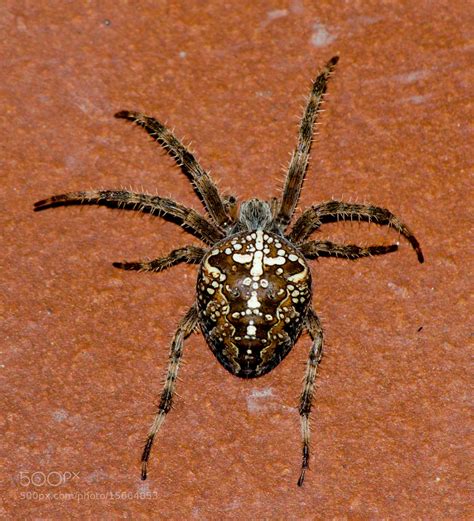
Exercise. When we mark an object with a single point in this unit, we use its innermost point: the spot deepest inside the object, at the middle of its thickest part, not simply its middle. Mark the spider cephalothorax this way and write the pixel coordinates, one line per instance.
(254, 283)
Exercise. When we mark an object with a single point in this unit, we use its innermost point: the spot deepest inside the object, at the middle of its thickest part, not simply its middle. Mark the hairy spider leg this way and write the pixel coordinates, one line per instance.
(315, 249)
(205, 186)
(332, 211)
(187, 254)
(191, 220)
(315, 330)
(186, 326)
(300, 157)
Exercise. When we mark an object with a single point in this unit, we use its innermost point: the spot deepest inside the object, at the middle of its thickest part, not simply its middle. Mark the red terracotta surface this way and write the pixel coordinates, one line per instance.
(85, 345)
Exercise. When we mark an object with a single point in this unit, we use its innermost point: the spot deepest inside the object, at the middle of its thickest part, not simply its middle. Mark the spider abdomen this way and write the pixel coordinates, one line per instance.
(253, 293)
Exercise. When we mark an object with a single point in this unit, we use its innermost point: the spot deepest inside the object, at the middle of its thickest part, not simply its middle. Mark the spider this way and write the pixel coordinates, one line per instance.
(253, 292)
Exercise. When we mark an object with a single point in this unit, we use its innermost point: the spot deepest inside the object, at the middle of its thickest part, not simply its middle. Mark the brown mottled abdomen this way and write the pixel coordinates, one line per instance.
(253, 292)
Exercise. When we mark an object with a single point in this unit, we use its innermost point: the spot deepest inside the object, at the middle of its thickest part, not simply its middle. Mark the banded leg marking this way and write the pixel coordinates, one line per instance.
(185, 327)
(333, 211)
(153, 204)
(188, 254)
(205, 186)
(299, 159)
(315, 249)
(313, 326)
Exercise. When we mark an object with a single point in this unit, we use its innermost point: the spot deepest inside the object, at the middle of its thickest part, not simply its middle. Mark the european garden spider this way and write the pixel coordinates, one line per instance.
(254, 283)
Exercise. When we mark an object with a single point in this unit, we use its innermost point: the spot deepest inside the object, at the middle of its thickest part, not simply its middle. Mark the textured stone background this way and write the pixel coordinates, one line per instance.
(85, 345)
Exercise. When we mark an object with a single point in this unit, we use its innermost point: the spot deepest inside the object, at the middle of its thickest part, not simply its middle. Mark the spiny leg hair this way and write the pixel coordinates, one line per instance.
(332, 211)
(188, 254)
(167, 208)
(300, 157)
(185, 327)
(205, 186)
(315, 330)
(315, 249)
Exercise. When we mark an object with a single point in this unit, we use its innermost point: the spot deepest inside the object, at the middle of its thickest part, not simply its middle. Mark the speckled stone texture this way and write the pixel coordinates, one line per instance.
(85, 346)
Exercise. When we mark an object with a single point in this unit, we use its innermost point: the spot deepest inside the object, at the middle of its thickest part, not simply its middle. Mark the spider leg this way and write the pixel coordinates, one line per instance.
(315, 249)
(185, 327)
(331, 211)
(313, 326)
(299, 159)
(167, 208)
(202, 181)
(188, 254)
